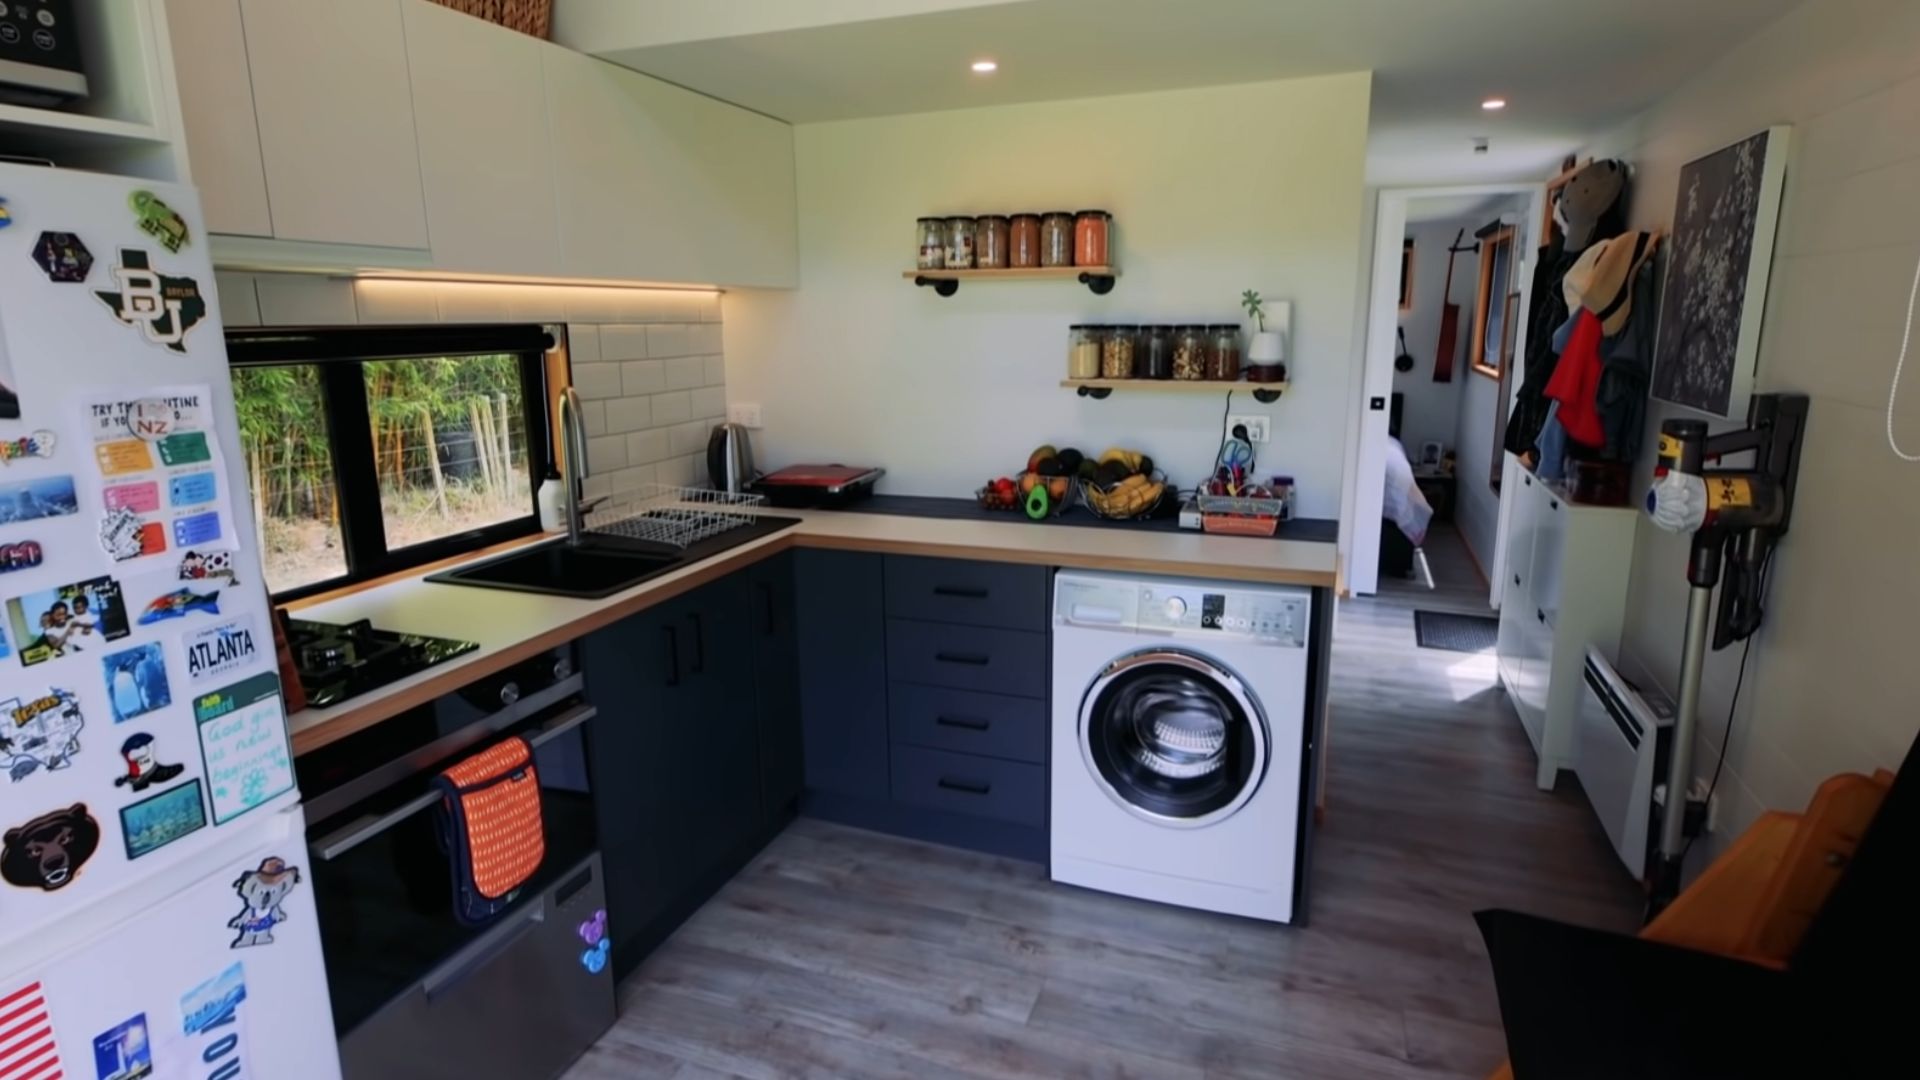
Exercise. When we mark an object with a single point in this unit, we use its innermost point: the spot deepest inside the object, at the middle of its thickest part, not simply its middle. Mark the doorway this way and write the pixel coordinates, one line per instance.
(1451, 271)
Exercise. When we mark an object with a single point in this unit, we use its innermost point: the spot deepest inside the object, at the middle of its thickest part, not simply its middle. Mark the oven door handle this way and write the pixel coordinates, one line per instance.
(338, 843)
(484, 952)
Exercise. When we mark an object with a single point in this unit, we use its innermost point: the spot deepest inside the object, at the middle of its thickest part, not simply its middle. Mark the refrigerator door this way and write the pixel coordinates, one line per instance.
(141, 723)
(220, 978)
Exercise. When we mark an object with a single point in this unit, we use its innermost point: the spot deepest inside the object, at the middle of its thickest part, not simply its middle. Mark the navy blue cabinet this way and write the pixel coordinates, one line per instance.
(843, 672)
(776, 660)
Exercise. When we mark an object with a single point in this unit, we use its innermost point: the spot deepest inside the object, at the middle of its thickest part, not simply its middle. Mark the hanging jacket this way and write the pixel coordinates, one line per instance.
(1546, 311)
(1622, 395)
(1576, 379)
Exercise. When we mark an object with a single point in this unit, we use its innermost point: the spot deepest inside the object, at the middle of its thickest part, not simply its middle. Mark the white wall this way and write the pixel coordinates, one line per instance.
(1432, 408)
(1832, 680)
(1214, 191)
(1476, 506)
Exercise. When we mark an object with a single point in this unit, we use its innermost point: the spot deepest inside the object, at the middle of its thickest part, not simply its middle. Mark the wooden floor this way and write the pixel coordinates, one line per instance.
(840, 953)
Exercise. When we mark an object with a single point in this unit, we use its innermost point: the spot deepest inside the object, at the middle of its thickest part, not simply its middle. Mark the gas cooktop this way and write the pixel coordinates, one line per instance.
(338, 661)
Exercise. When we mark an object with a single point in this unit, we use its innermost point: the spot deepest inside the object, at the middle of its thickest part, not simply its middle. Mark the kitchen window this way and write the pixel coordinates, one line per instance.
(371, 451)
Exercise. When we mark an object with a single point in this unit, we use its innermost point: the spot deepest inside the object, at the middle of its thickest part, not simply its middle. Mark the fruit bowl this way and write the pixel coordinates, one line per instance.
(1137, 496)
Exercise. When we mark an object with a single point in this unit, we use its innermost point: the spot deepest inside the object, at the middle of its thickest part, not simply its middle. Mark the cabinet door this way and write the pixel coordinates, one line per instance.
(1549, 554)
(657, 183)
(335, 111)
(480, 106)
(843, 672)
(709, 747)
(216, 103)
(776, 659)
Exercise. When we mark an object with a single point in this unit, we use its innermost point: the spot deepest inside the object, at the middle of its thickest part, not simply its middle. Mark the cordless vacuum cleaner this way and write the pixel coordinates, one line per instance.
(1737, 516)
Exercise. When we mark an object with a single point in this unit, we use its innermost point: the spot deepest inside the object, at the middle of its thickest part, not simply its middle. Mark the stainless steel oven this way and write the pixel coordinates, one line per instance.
(415, 992)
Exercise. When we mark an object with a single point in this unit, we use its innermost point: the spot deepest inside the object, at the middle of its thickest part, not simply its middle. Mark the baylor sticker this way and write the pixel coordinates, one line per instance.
(223, 649)
(164, 308)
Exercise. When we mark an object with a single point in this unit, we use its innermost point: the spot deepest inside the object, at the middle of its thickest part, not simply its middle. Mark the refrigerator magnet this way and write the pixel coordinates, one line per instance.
(38, 444)
(63, 258)
(32, 1048)
(144, 768)
(159, 820)
(41, 497)
(122, 1052)
(20, 555)
(210, 1014)
(137, 682)
(261, 891)
(164, 308)
(159, 221)
(67, 619)
(42, 733)
(48, 852)
(124, 536)
(243, 743)
(6, 216)
(211, 566)
(178, 604)
(222, 649)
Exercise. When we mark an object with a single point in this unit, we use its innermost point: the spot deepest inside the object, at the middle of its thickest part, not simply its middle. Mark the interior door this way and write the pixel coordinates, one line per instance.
(1173, 737)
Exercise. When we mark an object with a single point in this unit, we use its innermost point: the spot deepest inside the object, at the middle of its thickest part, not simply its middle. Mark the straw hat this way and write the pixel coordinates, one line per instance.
(1602, 280)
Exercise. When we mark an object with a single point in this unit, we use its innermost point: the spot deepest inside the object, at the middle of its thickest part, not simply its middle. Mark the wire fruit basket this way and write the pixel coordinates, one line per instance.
(673, 515)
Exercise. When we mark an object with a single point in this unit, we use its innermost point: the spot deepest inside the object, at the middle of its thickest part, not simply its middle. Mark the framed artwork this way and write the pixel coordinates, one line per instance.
(1719, 259)
(1490, 302)
(1406, 276)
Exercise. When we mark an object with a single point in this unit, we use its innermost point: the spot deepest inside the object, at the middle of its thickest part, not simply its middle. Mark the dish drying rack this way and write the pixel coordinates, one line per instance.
(673, 515)
(1240, 515)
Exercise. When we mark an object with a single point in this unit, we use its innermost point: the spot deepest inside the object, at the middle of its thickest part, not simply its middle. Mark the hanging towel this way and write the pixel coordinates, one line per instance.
(491, 827)
(1576, 380)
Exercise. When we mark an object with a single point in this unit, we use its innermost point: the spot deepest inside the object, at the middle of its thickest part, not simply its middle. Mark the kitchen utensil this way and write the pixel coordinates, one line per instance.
(730, 459)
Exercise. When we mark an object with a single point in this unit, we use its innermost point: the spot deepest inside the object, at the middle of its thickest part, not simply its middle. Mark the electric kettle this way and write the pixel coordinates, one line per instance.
(730, 459)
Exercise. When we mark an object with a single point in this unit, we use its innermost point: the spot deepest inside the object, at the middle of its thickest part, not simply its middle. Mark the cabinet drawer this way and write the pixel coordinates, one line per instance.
(969, 722)
(982, 658)
(964, 591)
(1008, 791)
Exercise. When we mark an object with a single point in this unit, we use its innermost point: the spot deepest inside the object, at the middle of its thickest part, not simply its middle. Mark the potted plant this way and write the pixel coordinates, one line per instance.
(1267, 352)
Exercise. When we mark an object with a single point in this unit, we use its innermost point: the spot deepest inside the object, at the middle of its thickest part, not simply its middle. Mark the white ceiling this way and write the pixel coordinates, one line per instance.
(1460, 209)
(1570, 69)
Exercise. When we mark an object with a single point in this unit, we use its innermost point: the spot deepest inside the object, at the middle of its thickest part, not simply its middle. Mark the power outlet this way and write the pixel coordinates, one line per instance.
(744, 413)
(1256, 427)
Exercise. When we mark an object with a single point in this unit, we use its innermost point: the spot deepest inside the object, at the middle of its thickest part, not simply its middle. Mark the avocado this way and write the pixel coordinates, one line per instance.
(1088, 467)
(1052, 466)
(1146, 465)
(1070, 458)
(1110, 473)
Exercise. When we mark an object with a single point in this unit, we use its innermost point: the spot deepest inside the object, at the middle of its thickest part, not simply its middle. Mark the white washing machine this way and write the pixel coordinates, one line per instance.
(1181, 741)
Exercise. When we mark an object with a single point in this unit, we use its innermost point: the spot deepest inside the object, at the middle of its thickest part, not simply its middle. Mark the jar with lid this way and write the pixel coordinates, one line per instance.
(1117, 352)
(960, 243)
(1190, 353)
(1023, 241)
(1223, 352)
(1083, 351)
(990, 237)
(932, 238)
(1091, 229)
(1056, 238)
(1156, 352)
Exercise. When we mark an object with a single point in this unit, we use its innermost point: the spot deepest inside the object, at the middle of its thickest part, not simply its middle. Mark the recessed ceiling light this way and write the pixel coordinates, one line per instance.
(985, 67)
(1494, 104)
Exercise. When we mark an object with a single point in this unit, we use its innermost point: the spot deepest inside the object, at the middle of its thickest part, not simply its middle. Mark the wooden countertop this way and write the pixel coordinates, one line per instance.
(512, 626)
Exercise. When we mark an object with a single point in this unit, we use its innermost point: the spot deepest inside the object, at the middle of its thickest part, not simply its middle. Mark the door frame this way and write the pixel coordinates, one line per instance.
(1366, 446)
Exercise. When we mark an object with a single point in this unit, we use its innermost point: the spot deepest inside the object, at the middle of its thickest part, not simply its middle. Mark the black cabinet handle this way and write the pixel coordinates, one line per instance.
(673, 656)
(966, 787)
(969, 659)
(766, 600)
(1553, 504)
(1516, 579)
(1538, 614)
(962, 592)
(699, 643)
(966, 722)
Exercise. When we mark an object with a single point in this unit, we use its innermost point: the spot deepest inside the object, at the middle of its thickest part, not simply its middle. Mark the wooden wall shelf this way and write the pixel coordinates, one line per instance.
(1264, 392)
(947, 282)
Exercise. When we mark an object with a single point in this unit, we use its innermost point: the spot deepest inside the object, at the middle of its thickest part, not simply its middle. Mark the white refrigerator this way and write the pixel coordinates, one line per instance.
(155, 919)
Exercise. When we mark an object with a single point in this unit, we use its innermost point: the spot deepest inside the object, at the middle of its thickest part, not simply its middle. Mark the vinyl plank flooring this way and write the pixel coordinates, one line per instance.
(842, 953)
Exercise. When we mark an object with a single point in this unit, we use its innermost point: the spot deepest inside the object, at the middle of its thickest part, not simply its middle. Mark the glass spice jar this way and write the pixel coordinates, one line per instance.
(1223, 352)
(990, 237)
(1091, 229)
(960, 243)
(1156, 352)
(1083, 352)
(1190, 354)
(931, 233)
(1023, 241)
(1117, 352)
(1056, 238)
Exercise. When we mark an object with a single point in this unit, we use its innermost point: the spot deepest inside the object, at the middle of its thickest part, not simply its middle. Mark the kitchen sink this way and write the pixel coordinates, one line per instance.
(600, 565)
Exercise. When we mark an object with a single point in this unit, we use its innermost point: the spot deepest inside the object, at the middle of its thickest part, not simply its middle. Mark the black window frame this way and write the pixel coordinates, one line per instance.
(339, 353)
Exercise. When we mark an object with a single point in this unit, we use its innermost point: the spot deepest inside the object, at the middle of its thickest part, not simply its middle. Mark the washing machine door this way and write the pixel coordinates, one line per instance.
(1173, 737)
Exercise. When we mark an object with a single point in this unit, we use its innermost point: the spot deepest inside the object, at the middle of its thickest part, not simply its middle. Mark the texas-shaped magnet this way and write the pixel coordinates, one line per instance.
(62, 257)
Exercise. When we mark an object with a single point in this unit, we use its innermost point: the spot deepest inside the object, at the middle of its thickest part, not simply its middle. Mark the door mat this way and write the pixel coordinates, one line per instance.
(1455, 633)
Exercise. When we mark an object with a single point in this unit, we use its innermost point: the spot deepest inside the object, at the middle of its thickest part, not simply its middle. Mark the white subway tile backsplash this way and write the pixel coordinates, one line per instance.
(647, 447)
(706, 307)
(629, 478)
(669, 339)
(688, 438)
(305, 300)
(532, 303)
(705, 337)
(593, 416)
(606, 453)
(583, 344)
(472, 302)
(680, 470)
(625, 414)
(599, 381)
(709, 402)
(595, 305)
(716, 370)
(596, 487)
(686, 373)
(672, 408)
(239, 305)
(623, 342)
(643, 377)
(397, 302)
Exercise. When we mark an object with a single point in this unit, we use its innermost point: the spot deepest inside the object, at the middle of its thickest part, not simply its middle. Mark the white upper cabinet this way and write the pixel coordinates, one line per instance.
(216, 97)
(479, 103)
(335, 111)
(657, 183)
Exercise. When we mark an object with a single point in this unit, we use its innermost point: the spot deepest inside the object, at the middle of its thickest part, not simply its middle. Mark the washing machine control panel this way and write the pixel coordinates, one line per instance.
(1267, 618)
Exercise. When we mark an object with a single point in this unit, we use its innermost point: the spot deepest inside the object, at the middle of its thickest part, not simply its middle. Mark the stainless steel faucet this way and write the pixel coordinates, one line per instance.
(573, 460)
